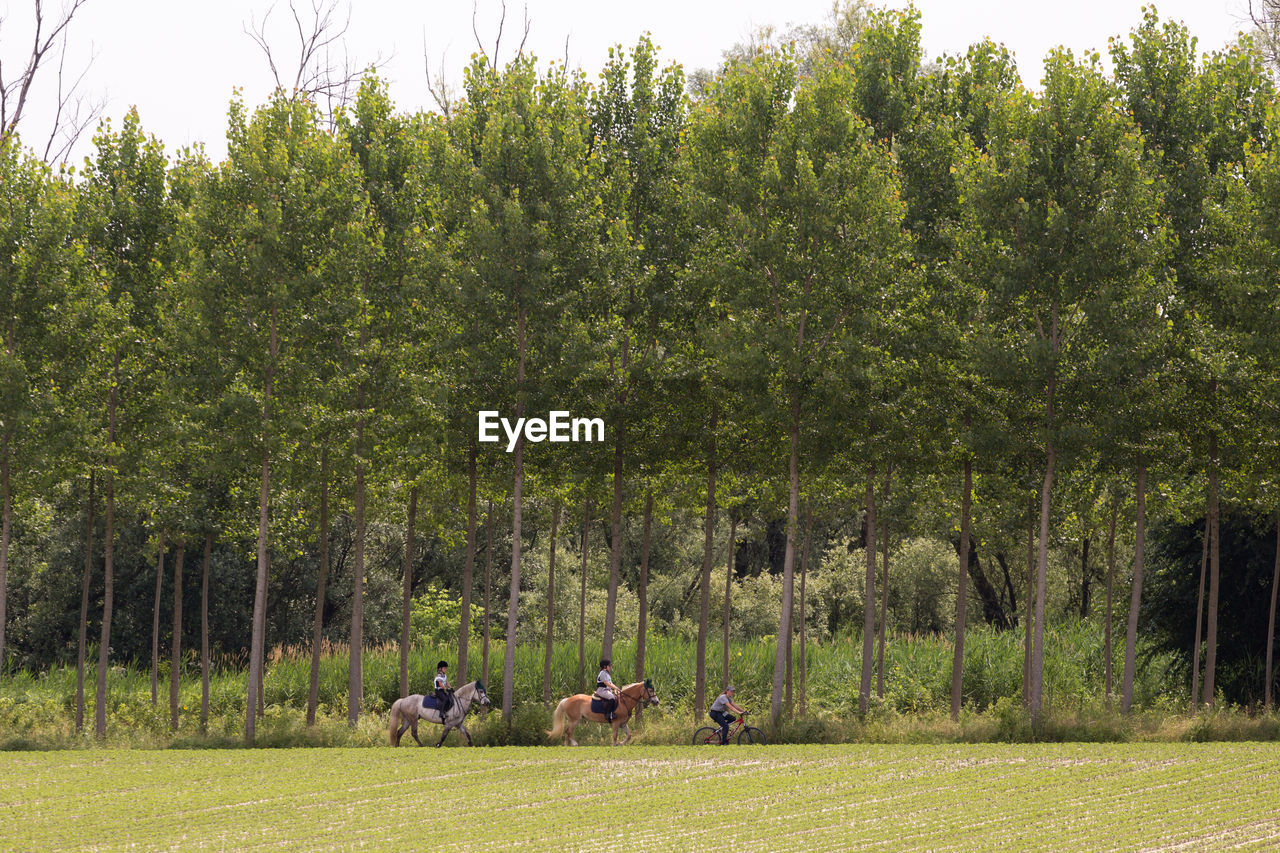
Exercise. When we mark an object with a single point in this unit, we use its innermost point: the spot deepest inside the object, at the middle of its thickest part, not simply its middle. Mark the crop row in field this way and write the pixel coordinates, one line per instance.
(1047, 796)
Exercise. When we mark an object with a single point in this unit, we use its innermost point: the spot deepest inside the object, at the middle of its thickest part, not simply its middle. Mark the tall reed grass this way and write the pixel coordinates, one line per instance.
(917, 681)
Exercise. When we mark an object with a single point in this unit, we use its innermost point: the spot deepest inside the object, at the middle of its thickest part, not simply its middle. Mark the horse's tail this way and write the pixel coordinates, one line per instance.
(394, 728)
(558, 719)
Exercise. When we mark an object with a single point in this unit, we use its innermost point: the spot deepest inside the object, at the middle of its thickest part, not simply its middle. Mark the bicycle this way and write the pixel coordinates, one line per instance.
(710, 735)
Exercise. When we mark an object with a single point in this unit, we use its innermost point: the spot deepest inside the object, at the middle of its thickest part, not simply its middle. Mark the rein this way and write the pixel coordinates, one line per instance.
(458, 705)
(623, 697)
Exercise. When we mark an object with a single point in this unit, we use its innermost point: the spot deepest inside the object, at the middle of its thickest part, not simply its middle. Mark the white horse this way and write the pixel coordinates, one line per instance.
(406, 712)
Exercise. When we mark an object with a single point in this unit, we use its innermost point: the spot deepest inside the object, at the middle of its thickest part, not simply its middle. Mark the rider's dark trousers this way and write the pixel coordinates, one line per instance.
(724, 721)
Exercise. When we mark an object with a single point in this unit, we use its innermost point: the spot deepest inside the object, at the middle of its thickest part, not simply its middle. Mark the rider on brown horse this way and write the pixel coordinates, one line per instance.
(606, 690)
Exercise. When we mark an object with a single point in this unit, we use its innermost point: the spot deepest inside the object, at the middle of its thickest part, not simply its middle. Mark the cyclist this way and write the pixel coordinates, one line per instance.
(606, 689)
(724, 702)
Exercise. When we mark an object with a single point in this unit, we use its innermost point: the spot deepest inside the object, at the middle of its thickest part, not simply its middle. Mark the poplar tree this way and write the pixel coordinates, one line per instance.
(284, 225)
(806, 238)
(533, 238)
(1069, 214)
(39, 258)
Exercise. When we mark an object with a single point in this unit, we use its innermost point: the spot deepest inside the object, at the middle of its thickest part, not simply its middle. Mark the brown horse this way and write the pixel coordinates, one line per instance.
(574, 709)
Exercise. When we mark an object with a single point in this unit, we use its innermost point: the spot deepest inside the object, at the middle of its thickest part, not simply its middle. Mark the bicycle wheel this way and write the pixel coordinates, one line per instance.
(751, 735)
(706, 736)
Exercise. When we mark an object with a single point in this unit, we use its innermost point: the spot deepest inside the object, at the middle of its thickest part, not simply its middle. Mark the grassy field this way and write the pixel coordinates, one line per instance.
(961, 797)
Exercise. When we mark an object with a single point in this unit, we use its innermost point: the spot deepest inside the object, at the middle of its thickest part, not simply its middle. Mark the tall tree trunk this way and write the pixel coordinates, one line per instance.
(551, 607)
(6, 506)
(804, 649)
(204, 633)
(1135, 598)
(468, 572)
(260, 587)
(642, 593)
(884, 586)
(1042, 558)
(1111, 578)
(407, 597)
(355, 647)
(704, 582)
(1084, 577)
(262, 673)
(322, 591)
(517, 508)
(1031, 598)
(108, 556)
(962, 593)
(788, 705)
(1211, 629)
(582, 600)
(155, 627)
(175, 652)
(6, 526)
(1195, 652)
(869, 596)
(615, 549)
(84, 607)
(728, 593)
(1042, 573)
(486, 633)
(788, 560)
(1271, 618)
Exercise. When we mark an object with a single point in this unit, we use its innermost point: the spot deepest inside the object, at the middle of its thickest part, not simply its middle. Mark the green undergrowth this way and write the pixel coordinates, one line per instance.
(37, 710)
(1006, 722)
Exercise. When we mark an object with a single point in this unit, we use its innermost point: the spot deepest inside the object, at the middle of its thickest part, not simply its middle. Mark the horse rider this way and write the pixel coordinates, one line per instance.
(443, 690)
(606, 689)
(724, 702)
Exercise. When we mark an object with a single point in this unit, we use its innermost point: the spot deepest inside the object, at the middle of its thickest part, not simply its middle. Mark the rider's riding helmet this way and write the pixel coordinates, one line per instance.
(605, 663)
(444, 664)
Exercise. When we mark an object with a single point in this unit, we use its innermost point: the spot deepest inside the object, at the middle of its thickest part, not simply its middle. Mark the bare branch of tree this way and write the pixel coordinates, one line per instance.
(258, 32)
(75, 111)
(524, 38)
(324, 72)
(439, 87)
(1265, 15)
(475, 10)
(15, 91)
(497, 42)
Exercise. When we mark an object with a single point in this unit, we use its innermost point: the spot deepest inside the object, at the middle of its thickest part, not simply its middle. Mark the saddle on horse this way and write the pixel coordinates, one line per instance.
(600, 705)
(442, 701)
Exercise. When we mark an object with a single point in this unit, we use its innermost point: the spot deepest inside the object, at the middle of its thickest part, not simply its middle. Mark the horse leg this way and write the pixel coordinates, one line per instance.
(443, 736)
(626, 734)
(413, 729)
(568, 733)
(404, 726)
(463, 729)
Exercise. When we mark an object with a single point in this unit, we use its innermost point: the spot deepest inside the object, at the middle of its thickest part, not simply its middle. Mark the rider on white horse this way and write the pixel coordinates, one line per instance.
(444, 692)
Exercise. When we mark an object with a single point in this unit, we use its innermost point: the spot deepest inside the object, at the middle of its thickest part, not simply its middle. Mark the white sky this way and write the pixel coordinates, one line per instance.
(179, 60)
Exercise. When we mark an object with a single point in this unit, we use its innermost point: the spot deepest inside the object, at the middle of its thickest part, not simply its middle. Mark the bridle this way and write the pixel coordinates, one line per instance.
(648, 694)
(477, 697)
